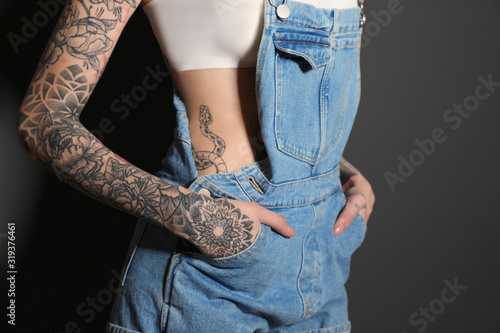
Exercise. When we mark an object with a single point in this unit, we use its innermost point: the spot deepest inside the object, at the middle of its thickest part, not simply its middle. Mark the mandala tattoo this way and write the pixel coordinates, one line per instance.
(219, 229)
(205, 159)
(84, 38)
(49, 126)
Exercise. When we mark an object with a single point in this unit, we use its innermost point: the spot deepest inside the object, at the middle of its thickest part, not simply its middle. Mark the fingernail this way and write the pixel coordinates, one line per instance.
(336, 231)
(291, 232)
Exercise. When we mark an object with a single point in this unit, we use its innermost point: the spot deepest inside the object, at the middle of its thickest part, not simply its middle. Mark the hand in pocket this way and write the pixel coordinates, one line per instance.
(223, 227)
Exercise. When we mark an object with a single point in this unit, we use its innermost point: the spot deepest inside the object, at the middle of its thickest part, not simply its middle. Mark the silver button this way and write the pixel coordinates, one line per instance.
(204, 192)
(283, 12)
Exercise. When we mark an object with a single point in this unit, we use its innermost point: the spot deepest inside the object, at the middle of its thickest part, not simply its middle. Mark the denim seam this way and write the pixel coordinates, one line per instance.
(298, 181)
(299, 154)
(132, 255)
(314, 64)
(313, 29)
(305, 203)
(346, 46)
(120, 329)
(345, 32)
(345, 327)
(316, 271)
(182, 140)
(297, 27)
(332, 329)
(305, 309)
(304, 157)
(298, 42)
(278, 98)
(314, 304)
(323, 107)
(215, 188)
(323, 59)
(340, 132)
(168, 285)
(264, 52)
(330, 146)
(182, 113)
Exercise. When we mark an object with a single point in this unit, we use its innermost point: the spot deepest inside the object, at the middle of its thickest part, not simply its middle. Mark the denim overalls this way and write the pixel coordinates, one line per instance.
(308, 87)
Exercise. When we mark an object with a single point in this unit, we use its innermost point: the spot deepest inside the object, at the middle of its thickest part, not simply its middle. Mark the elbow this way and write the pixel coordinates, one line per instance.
(26, 141)
(29, 133)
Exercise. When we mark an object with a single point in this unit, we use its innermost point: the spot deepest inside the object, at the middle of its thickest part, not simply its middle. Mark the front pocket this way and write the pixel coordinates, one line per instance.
(221, 226)
(313, 72)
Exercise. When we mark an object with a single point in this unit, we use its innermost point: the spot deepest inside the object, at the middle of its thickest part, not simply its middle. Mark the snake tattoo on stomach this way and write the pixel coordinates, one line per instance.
(205, 159)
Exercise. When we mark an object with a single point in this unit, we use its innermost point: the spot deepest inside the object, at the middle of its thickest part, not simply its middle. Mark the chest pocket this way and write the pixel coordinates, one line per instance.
(312, 75)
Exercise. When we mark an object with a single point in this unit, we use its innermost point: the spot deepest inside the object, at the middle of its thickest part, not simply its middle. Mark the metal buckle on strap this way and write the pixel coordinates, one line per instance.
(362, 21)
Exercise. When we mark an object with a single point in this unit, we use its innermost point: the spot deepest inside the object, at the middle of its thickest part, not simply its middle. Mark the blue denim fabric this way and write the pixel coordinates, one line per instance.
(308, 92)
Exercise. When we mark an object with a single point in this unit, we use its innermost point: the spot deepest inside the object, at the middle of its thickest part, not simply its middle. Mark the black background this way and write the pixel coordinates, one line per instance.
(441, 223)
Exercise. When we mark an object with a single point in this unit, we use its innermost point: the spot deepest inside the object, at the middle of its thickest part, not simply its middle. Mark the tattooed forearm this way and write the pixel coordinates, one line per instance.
(205, 159)
(83, 33)
(49, 127)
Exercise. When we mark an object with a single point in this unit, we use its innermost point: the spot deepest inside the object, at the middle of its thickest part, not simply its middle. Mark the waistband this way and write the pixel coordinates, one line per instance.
(328, 20)
(250, 183)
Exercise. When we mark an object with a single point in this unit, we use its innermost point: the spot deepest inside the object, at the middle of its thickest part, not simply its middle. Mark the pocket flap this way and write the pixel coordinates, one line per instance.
(314, 47)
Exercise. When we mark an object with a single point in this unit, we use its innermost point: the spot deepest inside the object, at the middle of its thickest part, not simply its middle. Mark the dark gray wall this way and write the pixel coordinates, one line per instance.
(430, 259)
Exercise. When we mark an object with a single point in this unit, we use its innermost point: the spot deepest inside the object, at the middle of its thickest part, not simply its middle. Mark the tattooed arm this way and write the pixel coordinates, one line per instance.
(50, 131)
(359, 194)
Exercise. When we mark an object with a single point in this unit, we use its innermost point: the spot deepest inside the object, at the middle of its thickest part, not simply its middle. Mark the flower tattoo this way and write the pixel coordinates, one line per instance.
(84, 38)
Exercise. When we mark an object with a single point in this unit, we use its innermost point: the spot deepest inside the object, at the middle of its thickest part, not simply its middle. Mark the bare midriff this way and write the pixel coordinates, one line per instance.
(223, 117)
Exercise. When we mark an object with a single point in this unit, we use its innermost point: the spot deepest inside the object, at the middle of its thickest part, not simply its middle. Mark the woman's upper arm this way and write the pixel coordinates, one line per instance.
(72, 63)
(85, 35)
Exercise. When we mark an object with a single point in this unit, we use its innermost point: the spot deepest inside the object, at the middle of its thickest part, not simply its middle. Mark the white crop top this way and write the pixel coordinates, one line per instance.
(200, 34)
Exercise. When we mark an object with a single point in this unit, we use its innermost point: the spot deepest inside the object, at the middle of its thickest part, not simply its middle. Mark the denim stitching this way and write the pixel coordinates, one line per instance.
(316, 272)
(132, 255)
(304, 300)
(217, 190)
(297, 27)
(299, 42)
(306, 203)
(299, 181)
(168, 284)
(324, 106)
(120, 329)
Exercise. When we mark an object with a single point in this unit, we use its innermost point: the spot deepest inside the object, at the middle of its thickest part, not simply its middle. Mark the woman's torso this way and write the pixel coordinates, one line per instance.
(218, 92)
